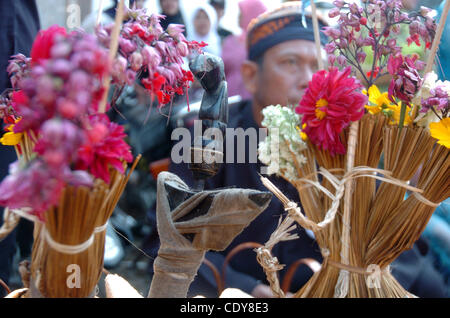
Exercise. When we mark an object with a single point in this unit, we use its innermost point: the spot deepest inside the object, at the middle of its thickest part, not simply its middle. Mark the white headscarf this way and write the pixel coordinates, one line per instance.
(212, 38)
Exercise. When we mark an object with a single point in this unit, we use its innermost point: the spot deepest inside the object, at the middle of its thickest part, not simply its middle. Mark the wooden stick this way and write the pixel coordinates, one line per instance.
(113, 46)
(346, 218)
(317, 35)
(437, 38)
(99, 13)
(434, 48)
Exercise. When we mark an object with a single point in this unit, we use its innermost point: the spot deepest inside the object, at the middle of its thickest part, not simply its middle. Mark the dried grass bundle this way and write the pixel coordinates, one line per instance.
(381, 223)
(72, 239)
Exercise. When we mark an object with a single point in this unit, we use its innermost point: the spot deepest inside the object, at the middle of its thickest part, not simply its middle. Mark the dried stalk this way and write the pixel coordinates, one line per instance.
(80, 211)
(383, 224)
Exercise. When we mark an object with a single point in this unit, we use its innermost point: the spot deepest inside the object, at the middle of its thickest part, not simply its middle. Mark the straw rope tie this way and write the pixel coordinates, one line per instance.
(359, 270)
(269, 263)
(424, 200)
(270, 266)
(356, 172)
(72, 249)
(62, 248)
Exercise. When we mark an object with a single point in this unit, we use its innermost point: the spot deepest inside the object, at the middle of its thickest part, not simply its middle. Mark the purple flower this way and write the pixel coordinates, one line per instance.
(406, 80)
(439, 100)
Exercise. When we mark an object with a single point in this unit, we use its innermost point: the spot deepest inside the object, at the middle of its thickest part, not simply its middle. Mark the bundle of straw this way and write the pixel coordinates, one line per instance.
(67, 256)
(373, 223)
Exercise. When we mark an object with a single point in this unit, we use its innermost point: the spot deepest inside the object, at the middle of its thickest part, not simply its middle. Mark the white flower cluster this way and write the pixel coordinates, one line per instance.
(283, 144)
(430, 81)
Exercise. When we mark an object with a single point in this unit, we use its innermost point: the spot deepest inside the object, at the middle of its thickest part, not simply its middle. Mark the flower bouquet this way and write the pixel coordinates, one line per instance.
(351, 151)
(72, 160)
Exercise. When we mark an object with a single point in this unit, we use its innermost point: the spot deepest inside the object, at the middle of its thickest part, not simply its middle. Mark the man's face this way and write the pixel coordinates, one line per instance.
(285, 72)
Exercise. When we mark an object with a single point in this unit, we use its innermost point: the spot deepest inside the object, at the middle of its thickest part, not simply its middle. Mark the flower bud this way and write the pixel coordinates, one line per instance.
(182, 49)
(339, 3)
(333, 13)
(136, 61)
(151, 56)
(127, 46)
(361, 57)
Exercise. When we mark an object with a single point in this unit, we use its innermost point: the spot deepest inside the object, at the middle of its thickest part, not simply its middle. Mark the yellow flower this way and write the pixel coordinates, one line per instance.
(302, 134)
(380, 100)
(395, 114)
(441, 131)
(10, 138)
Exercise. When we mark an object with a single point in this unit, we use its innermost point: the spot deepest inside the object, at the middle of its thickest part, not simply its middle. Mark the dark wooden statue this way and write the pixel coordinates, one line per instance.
(193, 221)
(207, 151)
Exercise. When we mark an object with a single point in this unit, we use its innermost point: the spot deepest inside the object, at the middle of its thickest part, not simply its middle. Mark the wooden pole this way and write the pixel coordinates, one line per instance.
(113, 46)
(317, 35)
(99, 13)
(437, 38)
(434, 48)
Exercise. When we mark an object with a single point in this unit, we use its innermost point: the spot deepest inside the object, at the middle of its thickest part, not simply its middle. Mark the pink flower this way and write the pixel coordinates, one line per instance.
(34, 187)
(331, 101)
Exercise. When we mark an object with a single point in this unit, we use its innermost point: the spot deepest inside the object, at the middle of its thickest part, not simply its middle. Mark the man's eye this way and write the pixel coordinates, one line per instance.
(290, 61)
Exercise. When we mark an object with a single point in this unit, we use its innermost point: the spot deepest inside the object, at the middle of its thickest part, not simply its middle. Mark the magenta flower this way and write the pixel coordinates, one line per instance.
(103, 148)
(331, 101)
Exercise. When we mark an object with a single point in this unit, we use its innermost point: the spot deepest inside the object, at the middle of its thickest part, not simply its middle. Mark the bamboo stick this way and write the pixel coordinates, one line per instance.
(316, 35)
(113, 46)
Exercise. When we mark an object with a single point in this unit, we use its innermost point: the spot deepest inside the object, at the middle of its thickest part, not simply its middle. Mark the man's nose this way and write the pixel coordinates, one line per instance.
(305, 76)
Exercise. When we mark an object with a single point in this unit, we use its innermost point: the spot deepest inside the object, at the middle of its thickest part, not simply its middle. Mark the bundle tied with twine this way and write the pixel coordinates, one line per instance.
(362, 227)
(68, 248)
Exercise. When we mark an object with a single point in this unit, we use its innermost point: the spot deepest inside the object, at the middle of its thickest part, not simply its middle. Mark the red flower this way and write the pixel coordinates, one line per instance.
(154, 85)
(44, 41)
(375, 72)
(163, 98)
(105, 146)
(19, 98)
(330, 103)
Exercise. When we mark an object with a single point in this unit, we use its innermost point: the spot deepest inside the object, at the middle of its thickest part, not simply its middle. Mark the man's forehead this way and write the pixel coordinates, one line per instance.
(293, 47)
(281, 25)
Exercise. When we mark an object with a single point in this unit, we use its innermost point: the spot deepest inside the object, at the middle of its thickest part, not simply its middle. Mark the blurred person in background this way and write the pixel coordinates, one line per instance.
(171, 9)
(202, 26)
(234, 51)
(19, 24)
(219, 6)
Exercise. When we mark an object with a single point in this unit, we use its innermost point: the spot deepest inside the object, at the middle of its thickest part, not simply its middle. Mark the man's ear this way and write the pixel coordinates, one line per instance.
(249, 72)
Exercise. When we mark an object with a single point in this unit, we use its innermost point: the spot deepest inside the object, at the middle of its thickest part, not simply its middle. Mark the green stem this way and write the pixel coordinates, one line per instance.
(402, 115)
